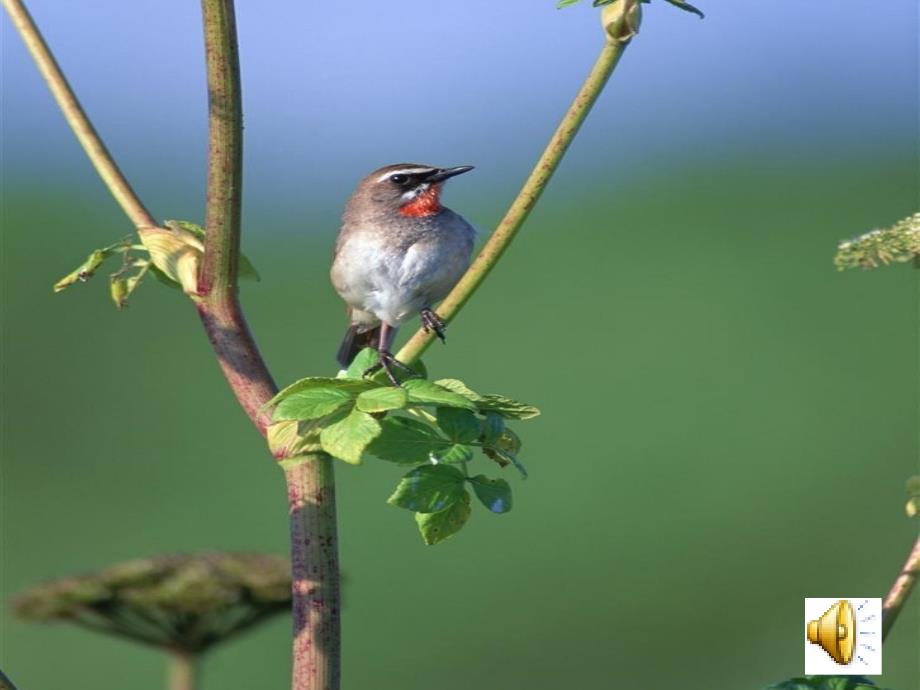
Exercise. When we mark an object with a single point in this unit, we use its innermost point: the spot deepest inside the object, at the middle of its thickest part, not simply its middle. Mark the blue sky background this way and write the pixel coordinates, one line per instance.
(331, 92)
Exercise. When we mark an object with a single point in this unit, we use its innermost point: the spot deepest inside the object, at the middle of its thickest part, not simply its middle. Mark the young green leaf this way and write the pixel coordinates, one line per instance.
(505, 450)
(459, 388)
(290, 439)
(460, 426)
(363, 361)
(453, 454)
(436, 527)
(347, 438)
(687, 7)
(382, 399)
(506, 407)
(88, 268)
(429, 489)
(406, 441)
(423, 392)
(368, 358)
(312, 403)
(247, 270)
(312, 382)
(825, 683)
(495, 494)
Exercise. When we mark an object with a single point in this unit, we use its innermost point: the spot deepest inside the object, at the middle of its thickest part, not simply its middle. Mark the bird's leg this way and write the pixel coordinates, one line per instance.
(432, 322)
(386, 359)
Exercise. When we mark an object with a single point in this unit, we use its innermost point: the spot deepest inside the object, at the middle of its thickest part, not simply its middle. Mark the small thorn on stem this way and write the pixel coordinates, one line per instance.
(432, 322)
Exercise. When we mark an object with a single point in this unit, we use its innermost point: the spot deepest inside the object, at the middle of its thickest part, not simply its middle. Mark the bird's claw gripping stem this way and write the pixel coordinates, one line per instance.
(386, 361)
(432, 322)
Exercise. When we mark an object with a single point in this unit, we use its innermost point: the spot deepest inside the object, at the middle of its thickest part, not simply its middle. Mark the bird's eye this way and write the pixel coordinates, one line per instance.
(399, 178)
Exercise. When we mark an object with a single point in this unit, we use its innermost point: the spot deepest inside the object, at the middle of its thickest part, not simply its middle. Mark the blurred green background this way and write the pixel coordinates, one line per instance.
(728, 422)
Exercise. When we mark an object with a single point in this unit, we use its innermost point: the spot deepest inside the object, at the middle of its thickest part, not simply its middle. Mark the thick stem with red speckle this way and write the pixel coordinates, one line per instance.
(315, 564)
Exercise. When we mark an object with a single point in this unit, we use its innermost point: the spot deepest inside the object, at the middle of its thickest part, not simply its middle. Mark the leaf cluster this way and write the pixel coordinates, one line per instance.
(896, 244)
(436, 428)
(171, 254)
(687, 7)
(825, 683)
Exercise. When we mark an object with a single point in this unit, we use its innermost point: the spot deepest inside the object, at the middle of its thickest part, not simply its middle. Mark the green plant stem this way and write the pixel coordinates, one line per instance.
(183, 671)
(315, 563)
(76, 117)
(225, 149)
(620, 29)
(900, 590)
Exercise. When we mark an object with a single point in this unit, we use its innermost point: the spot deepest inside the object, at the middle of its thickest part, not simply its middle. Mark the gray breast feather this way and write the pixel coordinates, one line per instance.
(395, 280)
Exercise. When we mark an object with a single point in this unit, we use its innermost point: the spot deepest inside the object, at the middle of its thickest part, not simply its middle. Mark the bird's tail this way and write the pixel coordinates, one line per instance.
(354, 341)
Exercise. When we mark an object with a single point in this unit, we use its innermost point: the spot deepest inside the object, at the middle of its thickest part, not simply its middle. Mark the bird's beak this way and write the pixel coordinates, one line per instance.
(442, 174)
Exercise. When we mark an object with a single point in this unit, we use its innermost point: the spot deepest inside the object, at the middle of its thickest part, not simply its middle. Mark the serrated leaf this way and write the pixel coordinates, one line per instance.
(368, 358)
(494, 494)
(429, 489)
(382, 399)
(460, 388)
(347, 438)
(311, 382)
(453, 454)
(118, 291)
(505, 450)
(436, 527)
(460, 426)
(423, 392)
(290, 439)
(506, 407)
(362, 361)
(312, 403)
(88, 268)
(406, 441)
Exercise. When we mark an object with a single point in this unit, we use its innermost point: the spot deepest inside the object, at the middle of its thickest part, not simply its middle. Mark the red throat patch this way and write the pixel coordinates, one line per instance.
(425, 204)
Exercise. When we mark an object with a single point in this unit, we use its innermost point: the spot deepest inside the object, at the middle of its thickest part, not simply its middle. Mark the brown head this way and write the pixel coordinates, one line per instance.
(407, 189)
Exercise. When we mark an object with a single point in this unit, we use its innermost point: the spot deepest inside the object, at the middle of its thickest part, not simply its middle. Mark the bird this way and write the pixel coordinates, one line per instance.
(398, 253)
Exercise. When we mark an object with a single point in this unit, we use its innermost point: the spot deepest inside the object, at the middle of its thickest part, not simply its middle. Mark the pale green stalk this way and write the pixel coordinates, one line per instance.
(900, 590)
(183, 671)
(621, 22)
(76, 117)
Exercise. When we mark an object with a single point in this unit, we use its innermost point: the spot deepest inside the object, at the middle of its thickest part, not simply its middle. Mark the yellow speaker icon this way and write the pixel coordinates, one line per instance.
(835, 631)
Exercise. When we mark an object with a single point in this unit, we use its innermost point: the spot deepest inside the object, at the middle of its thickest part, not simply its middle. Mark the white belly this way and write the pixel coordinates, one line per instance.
(385, 283)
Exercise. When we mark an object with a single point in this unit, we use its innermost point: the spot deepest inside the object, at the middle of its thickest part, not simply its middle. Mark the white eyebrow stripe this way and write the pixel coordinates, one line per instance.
(404, 171)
